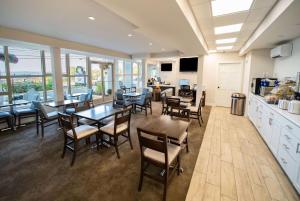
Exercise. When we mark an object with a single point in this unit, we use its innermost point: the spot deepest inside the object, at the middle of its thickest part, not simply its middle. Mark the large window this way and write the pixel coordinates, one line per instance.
(28, 77)
(74, 69)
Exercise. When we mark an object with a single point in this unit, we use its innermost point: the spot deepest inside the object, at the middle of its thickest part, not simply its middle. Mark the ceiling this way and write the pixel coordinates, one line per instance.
(250, 19)
(152, 26)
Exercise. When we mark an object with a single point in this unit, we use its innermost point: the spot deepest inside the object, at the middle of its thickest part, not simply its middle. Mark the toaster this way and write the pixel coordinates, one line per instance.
(294, 107)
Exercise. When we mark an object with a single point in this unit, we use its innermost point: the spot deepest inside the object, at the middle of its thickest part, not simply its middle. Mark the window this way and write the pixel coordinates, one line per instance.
(3, 79)
(137, 74)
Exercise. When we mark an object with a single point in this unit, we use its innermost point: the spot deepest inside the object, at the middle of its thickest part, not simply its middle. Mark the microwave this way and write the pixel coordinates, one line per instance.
(255, 85)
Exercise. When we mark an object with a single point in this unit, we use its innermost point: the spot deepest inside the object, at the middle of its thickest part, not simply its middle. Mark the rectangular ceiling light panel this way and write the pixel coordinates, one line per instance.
(223, 7)
(226, 41)
(224, 48)
(228, 29)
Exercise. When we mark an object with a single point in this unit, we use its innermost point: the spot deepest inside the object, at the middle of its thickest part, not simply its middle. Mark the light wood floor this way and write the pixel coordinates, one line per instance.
(235, 164)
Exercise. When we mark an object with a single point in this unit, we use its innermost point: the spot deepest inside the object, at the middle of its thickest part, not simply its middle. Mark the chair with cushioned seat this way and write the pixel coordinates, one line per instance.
(72, 135)
(82, 99)
(44, 117)
(181, 114)
(156, 151)
(89, 97)
(144, 102)
(196, 111)
(119, 127)
(20, 113)
(8, 118)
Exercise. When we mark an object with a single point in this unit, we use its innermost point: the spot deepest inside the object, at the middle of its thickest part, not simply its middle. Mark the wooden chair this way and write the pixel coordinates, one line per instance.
(172, 103)
(120, 126)
(196, 111)
(163, 98)
(160, 154)
(8, 118)
(44, 118)
(182, 114)
(74, 135)
(144, 103)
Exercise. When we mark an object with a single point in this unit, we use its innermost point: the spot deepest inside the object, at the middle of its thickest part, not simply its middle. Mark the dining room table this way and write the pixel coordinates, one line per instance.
(13, 104)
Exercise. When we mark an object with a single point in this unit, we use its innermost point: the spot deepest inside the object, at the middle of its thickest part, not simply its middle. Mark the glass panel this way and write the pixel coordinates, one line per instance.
(65, 85)
(4, 101)
(120, 67)
(49, 88)
(2, 62)
(77, 65)
(107, 82)
(29, 88)
(79, 84)
(48, 62)
(128, 67)
(63, 64)
(3, 85)
(24, 61)
(96, 79)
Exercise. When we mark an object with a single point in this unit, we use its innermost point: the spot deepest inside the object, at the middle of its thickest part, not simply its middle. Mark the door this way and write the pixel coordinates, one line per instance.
(101, 75)
(229, 81)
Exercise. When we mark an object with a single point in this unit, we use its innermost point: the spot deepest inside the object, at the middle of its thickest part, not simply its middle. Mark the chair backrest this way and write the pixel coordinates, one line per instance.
(122, 117)
(41, 108)
(119, 94)
(173, 102)
(133, 89)
(32, 95)
(66, 122)
(180, 113)
(145, 91)
(83, 106)
(185, 87)
(121, 84)
(154, 141)
(89, 95)
(163, 98)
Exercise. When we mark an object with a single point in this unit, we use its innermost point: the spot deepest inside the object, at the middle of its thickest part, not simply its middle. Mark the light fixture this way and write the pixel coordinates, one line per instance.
(223, 7)
(212, 51)
(226, 40)
(150, 44)
(130, 35)
(228, 29)
(92, 18)
(224, 47)
(163, 49)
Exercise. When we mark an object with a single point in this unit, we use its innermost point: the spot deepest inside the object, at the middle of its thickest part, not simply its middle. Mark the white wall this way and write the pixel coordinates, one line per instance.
(174, 76)
(288, 67)
(210, 72)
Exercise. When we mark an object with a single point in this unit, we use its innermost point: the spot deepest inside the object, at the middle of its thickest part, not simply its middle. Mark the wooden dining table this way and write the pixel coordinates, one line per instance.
(164, 124)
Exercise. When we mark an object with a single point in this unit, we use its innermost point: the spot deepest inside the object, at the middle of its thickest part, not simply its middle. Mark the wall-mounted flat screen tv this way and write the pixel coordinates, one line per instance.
(166, 67)
(188, 64)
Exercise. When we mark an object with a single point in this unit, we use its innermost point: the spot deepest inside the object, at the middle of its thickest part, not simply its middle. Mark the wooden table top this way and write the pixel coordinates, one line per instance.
(132, 94)
(62, 103)
(14, 103)
(165, 124)
(99, 112)
(182, 99)
(77, 94)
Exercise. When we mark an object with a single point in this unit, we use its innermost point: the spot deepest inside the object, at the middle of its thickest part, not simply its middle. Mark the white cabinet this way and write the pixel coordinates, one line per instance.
(281, 135)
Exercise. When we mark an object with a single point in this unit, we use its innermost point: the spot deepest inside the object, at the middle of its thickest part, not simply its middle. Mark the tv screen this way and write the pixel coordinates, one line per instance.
(166, 67)
(188, 64)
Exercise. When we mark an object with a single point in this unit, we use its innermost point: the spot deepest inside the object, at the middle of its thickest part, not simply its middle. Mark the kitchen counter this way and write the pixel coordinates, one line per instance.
(289, 116)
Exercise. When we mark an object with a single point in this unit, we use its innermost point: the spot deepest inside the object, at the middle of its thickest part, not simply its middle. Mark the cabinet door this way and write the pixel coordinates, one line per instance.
(275, 135)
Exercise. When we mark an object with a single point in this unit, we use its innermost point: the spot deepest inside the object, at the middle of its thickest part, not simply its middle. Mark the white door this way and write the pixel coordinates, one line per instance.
(229, 81)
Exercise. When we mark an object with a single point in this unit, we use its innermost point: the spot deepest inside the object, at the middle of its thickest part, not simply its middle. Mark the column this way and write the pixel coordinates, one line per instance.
(57, 74)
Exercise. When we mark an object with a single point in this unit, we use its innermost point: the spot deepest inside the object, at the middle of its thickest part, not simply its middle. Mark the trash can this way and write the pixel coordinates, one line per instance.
(238, 104)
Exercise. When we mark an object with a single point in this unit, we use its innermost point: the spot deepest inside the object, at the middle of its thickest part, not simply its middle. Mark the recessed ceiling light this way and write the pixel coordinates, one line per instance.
(130, 35)
(225, 40)
(223, 7)
(150, 44)
(228, 29)
(224, 47)
(212, 51)
(92, 18)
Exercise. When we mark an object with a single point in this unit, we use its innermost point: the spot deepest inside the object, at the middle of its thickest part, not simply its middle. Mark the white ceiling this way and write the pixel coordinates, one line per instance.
(251, 19)
(68, 20)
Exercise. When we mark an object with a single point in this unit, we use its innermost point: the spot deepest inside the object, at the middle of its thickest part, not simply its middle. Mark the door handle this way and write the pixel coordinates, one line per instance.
(218, 87)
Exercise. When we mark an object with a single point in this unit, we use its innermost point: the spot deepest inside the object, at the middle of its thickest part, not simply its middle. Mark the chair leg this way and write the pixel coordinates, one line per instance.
(151, 108)
(43, 128)
(178, 163)
(116, 146)
(97, 141)
(165, 184)
(65, 146)
(199, 121)
(141, 176)
(129, 138)
(19, 120)
(146, 110)
(187, 145)
(74, 153)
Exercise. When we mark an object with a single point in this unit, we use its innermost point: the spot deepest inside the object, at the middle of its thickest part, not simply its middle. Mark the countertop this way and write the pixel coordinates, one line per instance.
(291, 117)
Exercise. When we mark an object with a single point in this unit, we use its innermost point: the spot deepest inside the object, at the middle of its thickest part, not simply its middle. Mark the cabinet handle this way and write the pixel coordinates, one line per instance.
(287, 137)
(286, 147)
(289, 127)
(298, 146)
(270, 121)
(284, 161)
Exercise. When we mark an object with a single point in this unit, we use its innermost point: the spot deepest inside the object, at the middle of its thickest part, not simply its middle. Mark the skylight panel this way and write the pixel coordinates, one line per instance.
(228, 29)
(223, 7)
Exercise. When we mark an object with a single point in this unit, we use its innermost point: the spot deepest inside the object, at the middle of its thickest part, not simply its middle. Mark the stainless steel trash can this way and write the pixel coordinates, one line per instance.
(238, 104)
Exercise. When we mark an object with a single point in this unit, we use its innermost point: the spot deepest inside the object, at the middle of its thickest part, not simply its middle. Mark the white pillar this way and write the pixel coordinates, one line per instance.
(57, 74)
(199, 79)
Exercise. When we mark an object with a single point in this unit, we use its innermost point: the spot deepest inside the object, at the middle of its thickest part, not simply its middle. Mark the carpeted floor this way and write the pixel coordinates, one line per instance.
(31, 168)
